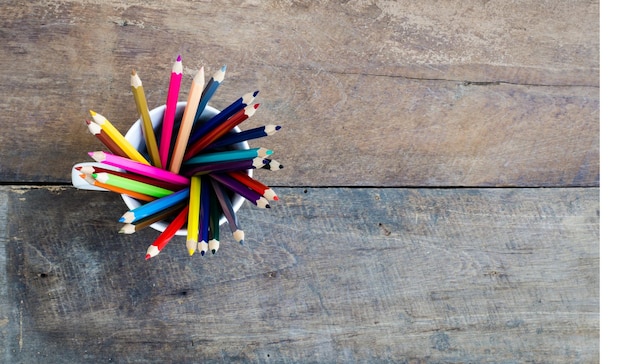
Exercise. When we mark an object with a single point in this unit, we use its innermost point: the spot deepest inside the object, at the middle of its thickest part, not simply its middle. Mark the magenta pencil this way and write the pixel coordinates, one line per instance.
(139, 168)
(167, 125)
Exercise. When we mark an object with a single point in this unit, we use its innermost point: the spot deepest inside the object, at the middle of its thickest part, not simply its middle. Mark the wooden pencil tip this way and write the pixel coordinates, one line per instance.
(179, 58)
(213, 251)
(93, 113)
(133, 72)
(255, 93)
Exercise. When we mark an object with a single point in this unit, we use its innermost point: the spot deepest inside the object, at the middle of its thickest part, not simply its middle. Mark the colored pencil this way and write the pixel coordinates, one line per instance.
(225, 167)
(193, 218)
(205, 203)
(233, 138)
(96, 130)
(155, 206)
(202, 128)
(130, 184)
(272, 165)
(136, 195)
(136, 87)
(254, 184)
(220, 130)
(209, 90)
(117, 137)
(139, 168)
(227, 210)
(144, 223)
(229, 156)
(187, 121)
(215, 214)
(234, 185)
(167, 234)
(167, 126)
(136, 177)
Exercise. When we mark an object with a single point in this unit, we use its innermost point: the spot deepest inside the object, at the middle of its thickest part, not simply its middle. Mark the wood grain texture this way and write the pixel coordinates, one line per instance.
(341, 274)
(370, 93)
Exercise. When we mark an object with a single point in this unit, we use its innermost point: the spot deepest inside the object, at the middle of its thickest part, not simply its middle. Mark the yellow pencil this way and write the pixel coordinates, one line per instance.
(193, 219)
(146, 122)
(118, 138)
(187, 121)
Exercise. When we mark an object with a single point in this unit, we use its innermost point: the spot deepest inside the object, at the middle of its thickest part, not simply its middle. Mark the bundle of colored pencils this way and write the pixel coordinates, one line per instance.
(189, 175)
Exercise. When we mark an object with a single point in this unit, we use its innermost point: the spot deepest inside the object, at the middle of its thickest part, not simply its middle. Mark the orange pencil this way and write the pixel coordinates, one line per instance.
(123, 191)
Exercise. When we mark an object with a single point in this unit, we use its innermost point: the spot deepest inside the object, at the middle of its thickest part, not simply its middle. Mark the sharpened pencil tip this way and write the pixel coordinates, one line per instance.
(255, 93)
(93, 113)
(179, 58)
(223, 69)
(148, 256)
(213, 251)
(202, 252)
(191, 252)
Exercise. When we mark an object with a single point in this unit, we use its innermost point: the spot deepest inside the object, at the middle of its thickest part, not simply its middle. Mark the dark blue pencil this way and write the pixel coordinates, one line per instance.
(201, 128)
(233, 138)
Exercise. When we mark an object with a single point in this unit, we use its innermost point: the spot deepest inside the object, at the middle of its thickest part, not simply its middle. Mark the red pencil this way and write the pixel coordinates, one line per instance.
(167, 234)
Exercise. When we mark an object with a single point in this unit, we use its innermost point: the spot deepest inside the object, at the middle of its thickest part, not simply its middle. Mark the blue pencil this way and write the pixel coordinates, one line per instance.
(202, 128)
(229, 156)
(209, 90)
(233, 138)
(155, 206)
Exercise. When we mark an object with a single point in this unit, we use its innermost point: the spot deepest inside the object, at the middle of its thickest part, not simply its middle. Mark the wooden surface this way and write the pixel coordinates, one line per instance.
(439, 202)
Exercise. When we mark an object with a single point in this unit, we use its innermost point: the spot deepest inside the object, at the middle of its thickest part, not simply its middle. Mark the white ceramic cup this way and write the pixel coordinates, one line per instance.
(136, 138)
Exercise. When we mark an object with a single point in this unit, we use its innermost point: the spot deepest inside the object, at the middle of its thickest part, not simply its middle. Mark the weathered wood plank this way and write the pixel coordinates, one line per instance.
(383, 93)
(349, 274)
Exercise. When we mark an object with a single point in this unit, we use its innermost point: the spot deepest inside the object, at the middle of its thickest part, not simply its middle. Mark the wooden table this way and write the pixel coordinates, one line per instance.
(439, 201)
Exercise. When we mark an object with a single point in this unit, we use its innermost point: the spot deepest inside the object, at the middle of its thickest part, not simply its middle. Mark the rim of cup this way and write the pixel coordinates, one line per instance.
(135, 136)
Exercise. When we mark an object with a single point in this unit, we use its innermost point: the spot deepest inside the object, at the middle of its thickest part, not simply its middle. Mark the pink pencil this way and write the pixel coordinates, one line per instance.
(139, 168)
(170, 111)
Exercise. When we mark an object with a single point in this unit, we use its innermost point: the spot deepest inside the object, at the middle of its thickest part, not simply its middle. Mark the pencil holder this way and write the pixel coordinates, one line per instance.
(136, 138)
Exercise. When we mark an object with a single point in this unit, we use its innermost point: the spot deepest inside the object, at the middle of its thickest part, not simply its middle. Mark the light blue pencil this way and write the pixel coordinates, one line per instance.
(155, 206)
(209, 90)
(229, 156)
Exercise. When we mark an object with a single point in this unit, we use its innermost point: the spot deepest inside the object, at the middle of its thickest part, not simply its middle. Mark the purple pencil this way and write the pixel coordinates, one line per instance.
(257, 199)
(253, 163)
